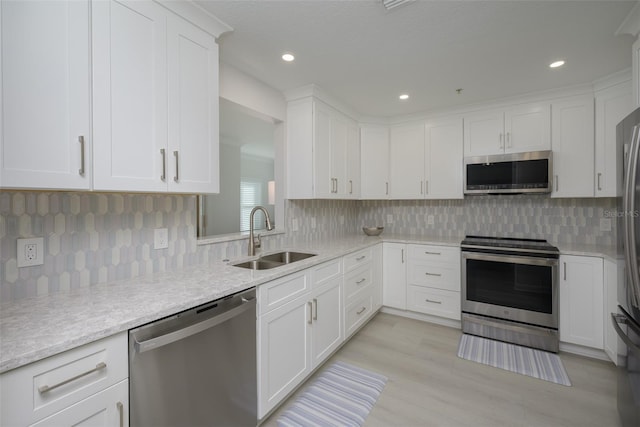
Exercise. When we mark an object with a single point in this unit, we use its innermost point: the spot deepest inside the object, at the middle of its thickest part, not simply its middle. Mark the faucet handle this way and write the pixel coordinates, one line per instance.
(258, 241)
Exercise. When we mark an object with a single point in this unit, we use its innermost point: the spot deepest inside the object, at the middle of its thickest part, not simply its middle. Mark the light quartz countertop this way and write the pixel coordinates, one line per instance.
(32, 329)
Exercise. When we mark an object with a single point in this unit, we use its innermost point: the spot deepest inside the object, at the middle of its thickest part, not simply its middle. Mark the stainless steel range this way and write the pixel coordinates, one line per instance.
(510, 290)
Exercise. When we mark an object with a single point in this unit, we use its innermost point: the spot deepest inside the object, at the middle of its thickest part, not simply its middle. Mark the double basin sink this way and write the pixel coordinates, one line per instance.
(277, 259)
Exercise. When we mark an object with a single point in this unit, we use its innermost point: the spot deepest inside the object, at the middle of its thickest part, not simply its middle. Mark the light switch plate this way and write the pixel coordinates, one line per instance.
(430, 220)
(389, 219)
(294, 224)
(30, 252)
(605, 224)
(313, 222)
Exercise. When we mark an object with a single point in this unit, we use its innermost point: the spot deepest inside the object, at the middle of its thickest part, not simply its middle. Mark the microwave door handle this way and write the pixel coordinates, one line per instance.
(618, 319)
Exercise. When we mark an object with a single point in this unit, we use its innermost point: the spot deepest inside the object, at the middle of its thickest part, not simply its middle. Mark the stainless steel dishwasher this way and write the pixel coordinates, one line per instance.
(196, 368)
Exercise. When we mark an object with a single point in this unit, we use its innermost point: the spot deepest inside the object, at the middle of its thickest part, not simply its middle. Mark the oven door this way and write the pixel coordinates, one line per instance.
(513, 287)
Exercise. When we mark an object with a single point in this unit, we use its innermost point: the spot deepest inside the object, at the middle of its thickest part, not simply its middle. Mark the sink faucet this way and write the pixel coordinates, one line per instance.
(253, 244)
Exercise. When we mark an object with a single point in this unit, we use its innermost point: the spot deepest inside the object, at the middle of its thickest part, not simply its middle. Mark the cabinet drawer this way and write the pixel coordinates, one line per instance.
(279, 292)
(356, 259)
(356, 282)
(358, 312)
(440, 254)
(38, 390)
(434, 301)
(440, 276)
(327, 271)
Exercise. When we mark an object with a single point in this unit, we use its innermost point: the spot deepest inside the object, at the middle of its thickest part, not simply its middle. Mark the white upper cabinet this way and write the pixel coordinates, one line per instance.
(374, 162)
(45, 135)
(406, 161)
(443, 159)
(155, 100)
(518, 129)
(573, 147)
(322, 152)
(612, 105)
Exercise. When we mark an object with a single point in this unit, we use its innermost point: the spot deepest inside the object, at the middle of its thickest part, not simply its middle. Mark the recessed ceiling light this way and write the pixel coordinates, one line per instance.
(288, 57)
(556, 64)
(404, 97)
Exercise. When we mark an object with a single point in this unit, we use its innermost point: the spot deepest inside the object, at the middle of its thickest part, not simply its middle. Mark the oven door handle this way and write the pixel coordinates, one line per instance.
(516, 259)
(619, 319)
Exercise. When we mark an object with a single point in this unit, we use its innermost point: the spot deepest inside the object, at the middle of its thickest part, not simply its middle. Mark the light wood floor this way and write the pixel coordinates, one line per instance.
(430, 386)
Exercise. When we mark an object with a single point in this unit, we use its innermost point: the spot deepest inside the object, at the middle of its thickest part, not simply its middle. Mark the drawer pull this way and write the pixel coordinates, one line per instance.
(120, 407)
(433, 301)
(45, 388)
(81, 170)
(360, 258)
(359, 312)
(433, 274)
(310, 305)
(432, 253)
(315, 309)
(360, 281)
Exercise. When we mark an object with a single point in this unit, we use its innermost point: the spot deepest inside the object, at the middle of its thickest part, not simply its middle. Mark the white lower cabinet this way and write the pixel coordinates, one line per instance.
(109, 407)
(394, 275)
(298, 336)
(87, 385)
(581, 301)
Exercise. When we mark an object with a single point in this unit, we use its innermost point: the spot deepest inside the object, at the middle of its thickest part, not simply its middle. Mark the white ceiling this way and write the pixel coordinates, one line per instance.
(366, 56)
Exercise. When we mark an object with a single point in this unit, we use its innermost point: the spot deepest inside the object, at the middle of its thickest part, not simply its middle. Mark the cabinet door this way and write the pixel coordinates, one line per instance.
(374, 162)
(327, 320)
(130, 96)
(338, 163)
(581, 301)
(109, 407)
(193, 109)
(323, 183)
(353, 160)
(407, 161)
(483, 133)
(527, 128)
(284, 345)
(573, 147)
(394, 282)
(45, 74)
(443, 159)
(376, 276)
(612, 105)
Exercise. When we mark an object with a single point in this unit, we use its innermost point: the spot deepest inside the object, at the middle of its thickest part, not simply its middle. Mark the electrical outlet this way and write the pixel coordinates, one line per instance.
(341, 219)
(313, 222)
(605, 224)
(430, 220)
(30, 252)
(389, 219)
(160, 238)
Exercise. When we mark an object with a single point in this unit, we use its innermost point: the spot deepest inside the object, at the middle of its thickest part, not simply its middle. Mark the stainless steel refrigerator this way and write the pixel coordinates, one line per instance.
(627, 321)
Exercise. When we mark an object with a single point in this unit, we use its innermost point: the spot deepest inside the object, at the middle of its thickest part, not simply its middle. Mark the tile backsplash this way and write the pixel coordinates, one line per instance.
(95, 238)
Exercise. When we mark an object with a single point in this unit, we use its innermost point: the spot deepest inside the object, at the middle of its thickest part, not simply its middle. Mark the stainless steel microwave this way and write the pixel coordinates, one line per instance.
(509, 173)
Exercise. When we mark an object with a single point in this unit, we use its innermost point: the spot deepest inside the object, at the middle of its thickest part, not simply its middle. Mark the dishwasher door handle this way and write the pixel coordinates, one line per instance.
(162, 340)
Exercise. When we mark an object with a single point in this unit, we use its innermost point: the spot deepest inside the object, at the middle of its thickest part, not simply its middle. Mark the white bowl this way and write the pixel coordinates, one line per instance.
(372, 231)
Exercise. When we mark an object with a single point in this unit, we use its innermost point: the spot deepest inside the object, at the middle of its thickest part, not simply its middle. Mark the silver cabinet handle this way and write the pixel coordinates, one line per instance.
(402, 255)
(120, 407)
(164, 164)
(599, 186)
(556, 179)
(177, 177)
(565, 270)
(509, 139)
(420, 187)
(432, 253)
(360, 281)
(81, 141)
(310, 319)
(362, 310)
(360, 258)
(387, 191)
(350, 187)
(426, 186)
(315, 309)
(433, 301)
(433, 274)
(45, 388)
(501, 142)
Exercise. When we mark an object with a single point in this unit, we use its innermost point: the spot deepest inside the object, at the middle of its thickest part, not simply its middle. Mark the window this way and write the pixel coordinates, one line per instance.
(250, 197)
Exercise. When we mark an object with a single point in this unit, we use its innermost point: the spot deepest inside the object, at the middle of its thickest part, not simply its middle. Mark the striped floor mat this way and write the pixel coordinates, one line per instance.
(522, 360)
(342, 395)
